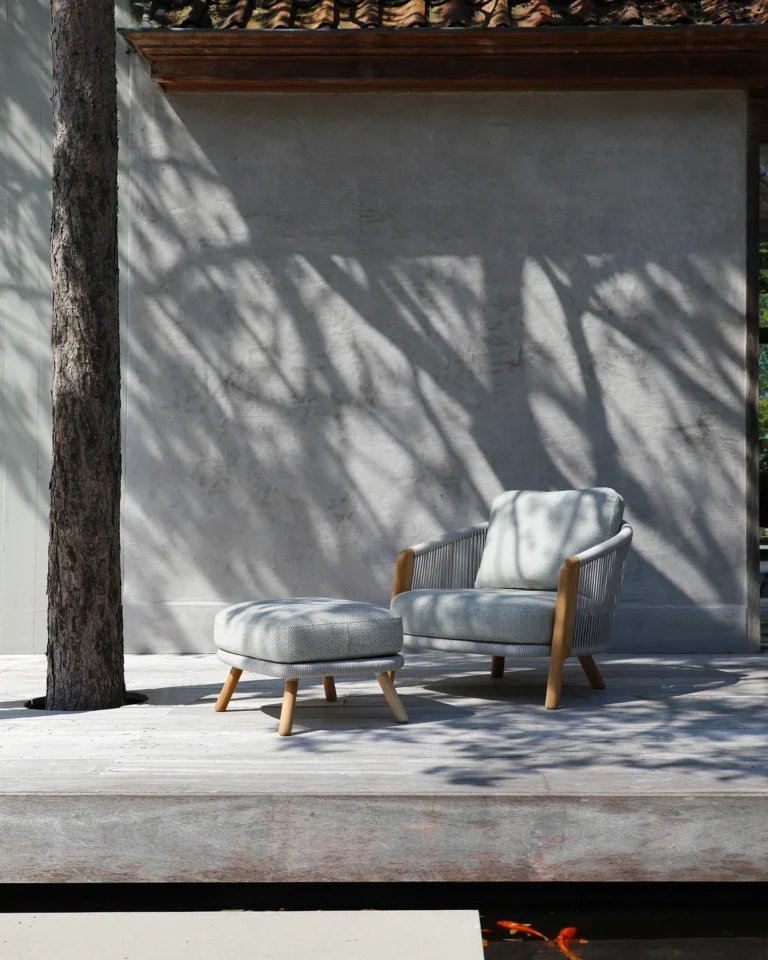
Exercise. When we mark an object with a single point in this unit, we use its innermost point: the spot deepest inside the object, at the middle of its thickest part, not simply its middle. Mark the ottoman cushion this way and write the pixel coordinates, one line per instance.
(307, 630)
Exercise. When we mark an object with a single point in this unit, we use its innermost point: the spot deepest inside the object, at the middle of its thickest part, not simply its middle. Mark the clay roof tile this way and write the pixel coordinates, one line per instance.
(318, 15)
(665, 12)
(240, 15)
(271, 15)
(718, 11)
(582, 12)
(411, 13)
(449, 13)
(537, 13)
(440, 14)
(490, 13)
(757, 12)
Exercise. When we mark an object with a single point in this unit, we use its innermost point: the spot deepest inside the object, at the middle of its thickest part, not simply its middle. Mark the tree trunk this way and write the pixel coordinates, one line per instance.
(85, 614)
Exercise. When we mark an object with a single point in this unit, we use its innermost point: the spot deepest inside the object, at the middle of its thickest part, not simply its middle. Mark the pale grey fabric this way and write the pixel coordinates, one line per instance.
(487, 616)
(531, 532)
(302, 671)
(307, 630)
(446, 645)
(450, 560)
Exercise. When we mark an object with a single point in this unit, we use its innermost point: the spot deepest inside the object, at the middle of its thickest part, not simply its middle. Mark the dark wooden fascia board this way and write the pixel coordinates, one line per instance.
(543, 58)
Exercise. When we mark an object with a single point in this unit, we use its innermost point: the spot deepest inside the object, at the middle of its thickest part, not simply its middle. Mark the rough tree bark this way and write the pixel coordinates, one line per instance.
(85, 615)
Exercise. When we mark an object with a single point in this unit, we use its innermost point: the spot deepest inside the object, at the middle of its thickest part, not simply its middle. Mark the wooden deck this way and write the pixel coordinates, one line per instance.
(661, 776)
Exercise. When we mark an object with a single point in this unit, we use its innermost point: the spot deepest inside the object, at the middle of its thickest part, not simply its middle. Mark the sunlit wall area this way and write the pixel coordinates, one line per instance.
(25, 322)
(25, 312)
(354, 319)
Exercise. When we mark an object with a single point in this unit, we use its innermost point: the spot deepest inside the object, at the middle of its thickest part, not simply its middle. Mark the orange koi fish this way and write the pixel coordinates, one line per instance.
(522, 928)
(563, 940)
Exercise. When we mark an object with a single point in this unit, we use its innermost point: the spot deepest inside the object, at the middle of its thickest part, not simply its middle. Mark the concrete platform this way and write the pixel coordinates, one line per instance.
(335, 935)
(661, 776)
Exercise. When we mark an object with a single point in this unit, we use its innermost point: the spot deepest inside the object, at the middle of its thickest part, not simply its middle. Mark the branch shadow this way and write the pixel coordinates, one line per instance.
(324, 364)
(347, 328)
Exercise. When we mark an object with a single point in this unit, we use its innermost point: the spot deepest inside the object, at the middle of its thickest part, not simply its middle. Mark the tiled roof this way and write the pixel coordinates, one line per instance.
(353, 14)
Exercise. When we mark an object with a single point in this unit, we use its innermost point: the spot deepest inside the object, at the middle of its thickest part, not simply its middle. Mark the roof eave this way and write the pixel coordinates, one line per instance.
(539, 58)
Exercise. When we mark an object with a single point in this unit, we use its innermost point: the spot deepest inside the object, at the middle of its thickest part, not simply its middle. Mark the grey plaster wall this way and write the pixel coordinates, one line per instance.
(25, 321)
(353, 320)
(25, 313)
(350, 321)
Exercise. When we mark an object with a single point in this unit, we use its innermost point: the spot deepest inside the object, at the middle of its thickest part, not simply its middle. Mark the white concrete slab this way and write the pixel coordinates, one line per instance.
(367, 935)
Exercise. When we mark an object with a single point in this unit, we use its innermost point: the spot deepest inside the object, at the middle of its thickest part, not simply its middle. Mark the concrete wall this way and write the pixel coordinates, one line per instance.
(25, 313)
(354, 320)
(25, 321)
(350, 321)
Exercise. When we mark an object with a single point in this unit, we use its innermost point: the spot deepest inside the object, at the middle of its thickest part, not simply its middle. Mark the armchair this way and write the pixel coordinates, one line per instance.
(541, 579)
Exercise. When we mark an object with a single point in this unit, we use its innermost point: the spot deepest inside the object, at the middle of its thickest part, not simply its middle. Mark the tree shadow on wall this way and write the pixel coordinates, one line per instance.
(349, 322)
(25, 316)
(351, 328)
(25, 182)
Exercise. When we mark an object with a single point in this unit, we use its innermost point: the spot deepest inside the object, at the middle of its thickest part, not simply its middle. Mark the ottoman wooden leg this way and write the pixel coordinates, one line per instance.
(289, 702)
(330, 689)
(497, 666)
(395, 704)
(228, 689)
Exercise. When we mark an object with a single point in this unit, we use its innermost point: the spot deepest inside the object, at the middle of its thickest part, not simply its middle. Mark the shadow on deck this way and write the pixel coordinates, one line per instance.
(661, 776)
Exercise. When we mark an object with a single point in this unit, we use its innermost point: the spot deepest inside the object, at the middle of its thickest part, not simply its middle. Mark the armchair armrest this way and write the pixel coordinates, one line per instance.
(601, 574)
(450, 561)
(588, 595)
(616, 545)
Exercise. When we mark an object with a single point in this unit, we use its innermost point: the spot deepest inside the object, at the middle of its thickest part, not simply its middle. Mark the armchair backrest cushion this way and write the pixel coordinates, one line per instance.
(531, 532)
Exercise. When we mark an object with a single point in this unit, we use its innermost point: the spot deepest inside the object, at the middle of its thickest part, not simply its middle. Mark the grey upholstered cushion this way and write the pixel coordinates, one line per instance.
(531, 532)
(447, 645)
(307, 629)
(490, 616)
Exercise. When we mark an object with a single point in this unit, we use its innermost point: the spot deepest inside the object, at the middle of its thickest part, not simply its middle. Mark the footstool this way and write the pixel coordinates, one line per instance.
(309, 637)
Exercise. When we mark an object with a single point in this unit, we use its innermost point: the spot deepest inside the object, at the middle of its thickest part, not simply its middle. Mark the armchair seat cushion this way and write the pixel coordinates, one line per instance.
(485, 616)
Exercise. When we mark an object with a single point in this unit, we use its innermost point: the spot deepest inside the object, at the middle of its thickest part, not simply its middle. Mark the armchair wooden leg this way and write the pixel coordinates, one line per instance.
(289, 702)
(554, 681)
(593, 674)
(562, 630)
(391, 674)
(228, 689)
(395, 704)
(330, 689)
(497, 666)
